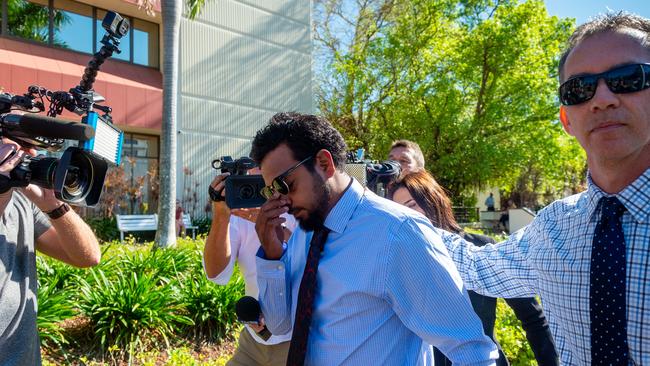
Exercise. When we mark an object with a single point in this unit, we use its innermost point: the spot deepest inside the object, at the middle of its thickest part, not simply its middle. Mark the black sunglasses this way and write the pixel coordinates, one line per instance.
(620, 80)
(279, 184)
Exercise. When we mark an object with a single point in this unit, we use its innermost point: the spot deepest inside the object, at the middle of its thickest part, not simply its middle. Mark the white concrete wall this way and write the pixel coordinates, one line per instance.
(240, 63)
(519, 218)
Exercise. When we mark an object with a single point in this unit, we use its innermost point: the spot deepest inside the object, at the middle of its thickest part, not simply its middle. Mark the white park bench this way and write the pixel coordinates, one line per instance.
(187, 222)
(126, 223)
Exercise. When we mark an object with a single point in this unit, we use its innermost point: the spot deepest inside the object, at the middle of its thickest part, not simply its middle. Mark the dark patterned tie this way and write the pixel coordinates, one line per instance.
(305, 307)
(607, 288)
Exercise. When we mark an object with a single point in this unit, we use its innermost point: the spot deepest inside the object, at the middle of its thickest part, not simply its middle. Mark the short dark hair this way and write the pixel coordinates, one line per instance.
(419, 157)
(305, 134)
(610, 22)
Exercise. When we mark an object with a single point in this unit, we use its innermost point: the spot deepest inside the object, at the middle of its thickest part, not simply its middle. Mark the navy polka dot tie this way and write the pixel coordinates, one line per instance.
(306, 294)
(607, 288)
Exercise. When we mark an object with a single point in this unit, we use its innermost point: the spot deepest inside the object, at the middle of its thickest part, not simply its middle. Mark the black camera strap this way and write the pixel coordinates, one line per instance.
(216, 196)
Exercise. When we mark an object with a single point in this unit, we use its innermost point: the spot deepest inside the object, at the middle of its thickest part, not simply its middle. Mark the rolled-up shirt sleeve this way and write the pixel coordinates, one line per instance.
(224, 277)
(427, 293)
(273, 280)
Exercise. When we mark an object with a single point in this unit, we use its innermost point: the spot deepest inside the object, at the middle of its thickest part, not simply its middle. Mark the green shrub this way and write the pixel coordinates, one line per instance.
(210, 306)
(203, 224)
(53, 271)
(130, 310)
(163, 264)
(512, 337)
(105, 228)
(54, 306)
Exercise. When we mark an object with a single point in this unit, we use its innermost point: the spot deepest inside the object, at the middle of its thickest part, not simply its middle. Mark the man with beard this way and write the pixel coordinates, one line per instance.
(364, 280)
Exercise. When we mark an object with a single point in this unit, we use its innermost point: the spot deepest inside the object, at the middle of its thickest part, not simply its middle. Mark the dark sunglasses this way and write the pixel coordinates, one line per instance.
(620, 80)
(279, 184)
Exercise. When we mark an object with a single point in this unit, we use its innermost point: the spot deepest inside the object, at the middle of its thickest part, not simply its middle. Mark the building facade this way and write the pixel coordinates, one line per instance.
(240, 62)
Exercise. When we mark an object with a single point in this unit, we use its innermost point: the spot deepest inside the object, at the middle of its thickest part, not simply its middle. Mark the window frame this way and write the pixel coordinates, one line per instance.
(4, 32)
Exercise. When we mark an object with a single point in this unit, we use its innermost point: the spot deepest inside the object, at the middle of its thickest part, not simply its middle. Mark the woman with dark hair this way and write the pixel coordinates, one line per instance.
(421, 192)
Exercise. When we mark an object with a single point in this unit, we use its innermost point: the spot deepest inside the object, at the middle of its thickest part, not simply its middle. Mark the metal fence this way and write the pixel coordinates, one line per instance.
(466, 214)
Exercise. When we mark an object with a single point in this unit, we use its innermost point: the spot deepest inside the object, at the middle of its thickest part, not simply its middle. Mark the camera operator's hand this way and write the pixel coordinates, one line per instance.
(217, 252)
(219, 208)
(10, 156)
(43, 198)
(269, 225)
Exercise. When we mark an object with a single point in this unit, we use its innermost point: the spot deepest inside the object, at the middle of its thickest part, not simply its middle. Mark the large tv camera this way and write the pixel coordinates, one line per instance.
(242, 190)
(78, 176)
(376, 176)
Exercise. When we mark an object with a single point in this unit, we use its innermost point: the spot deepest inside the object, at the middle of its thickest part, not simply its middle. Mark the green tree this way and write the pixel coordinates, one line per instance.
(473, 82)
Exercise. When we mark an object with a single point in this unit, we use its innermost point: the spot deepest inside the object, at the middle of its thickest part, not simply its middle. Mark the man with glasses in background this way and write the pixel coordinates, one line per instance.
(364, 280)
(587, 255)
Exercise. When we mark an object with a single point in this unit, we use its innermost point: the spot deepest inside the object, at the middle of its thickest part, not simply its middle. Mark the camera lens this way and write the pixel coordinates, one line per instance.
(75, 182)
(246, 192)
(78, 178)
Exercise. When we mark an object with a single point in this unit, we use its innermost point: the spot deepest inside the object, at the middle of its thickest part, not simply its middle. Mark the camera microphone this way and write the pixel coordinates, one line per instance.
(248, 312)
(56, 128)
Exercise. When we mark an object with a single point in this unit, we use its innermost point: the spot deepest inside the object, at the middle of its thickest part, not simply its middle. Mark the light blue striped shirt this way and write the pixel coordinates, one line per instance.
(552, 257)
(385, 283)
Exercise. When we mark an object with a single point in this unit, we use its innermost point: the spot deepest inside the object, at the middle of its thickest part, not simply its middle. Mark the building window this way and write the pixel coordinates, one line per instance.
(140, 163)
(145, 52)
(75, 32)
(76, 26)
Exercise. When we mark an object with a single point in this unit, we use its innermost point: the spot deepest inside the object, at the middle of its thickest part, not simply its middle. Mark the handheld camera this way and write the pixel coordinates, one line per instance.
(242, 190)
(376, 176)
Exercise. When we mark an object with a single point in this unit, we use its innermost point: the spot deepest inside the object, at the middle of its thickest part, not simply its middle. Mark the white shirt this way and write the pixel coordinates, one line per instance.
(244, 245)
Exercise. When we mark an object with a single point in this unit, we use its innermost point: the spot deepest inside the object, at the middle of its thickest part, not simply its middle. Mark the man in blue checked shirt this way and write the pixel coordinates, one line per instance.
(365, 280)
(588, 255)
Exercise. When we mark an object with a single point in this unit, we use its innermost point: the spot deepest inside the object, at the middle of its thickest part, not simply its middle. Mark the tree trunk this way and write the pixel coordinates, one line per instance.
(171, 16)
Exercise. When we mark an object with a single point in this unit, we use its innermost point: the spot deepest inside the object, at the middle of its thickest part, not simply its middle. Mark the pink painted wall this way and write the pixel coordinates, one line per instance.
(134, 92)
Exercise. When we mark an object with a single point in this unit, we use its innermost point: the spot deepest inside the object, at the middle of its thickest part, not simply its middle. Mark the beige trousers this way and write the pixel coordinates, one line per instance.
(251, 353)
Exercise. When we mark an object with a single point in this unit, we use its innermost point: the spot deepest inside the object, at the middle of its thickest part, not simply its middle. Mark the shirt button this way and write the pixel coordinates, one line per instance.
(280, 267)
(281, 293)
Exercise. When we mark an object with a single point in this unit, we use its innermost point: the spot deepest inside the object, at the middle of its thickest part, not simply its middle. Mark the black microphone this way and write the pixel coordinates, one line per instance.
(248, 312)
(56, 128)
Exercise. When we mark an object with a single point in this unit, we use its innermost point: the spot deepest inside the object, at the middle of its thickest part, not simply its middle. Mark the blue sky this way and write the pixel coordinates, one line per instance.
(582, 10)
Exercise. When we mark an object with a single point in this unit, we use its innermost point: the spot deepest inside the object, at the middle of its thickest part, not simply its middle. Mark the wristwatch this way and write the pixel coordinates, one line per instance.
(59, 211)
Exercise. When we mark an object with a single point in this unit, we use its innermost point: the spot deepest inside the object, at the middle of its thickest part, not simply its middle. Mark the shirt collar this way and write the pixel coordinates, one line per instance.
(341, 213)
(635, 197)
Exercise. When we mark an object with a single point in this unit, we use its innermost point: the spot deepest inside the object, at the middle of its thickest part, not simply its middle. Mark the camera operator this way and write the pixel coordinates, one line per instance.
(233, 238)
(25, 228)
